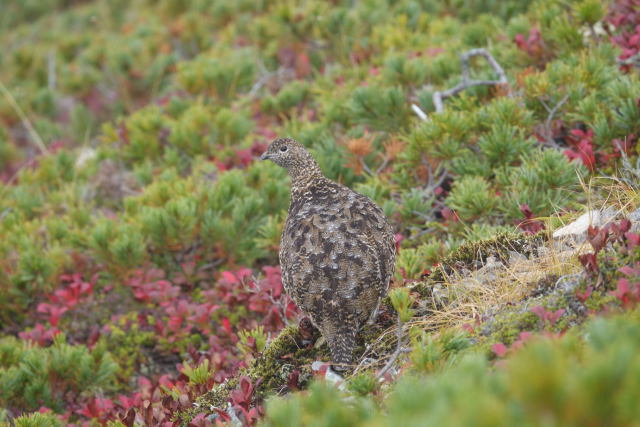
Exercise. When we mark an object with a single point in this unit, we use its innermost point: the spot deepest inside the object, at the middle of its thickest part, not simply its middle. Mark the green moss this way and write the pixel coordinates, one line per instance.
(473, 254)
(281, 357)
(506, 327)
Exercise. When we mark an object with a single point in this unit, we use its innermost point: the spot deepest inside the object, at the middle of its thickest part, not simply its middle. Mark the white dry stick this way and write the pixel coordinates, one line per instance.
(439, 97)
(423, 116)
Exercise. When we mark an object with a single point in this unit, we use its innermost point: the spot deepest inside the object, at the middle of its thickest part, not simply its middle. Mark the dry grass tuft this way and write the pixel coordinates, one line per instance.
(466, 296)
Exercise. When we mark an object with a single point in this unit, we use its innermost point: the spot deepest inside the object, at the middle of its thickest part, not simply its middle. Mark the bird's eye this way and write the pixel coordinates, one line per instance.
(283, 148)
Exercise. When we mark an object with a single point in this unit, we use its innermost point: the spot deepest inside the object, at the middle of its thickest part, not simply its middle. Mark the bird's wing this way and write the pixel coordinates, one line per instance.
(342, 251)
(381, 238)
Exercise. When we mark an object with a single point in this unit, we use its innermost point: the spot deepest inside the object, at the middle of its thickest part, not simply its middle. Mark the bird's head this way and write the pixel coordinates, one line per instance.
(291, 155)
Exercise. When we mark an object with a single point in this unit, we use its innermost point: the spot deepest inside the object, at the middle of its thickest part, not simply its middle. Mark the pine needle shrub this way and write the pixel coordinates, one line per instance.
(177, 134)
(330, 156)
(545, 181)
(441, 138)
(37, 419)
(383, 109)
(32, 376)
(472, 197)
(398, 70)
(291, 95)
(238, 205)
(504, 145)
(222, 79)
(323, 407)
(412, 262)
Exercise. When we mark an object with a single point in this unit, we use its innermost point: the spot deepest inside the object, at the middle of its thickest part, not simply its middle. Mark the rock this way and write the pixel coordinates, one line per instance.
(578, 228)
(515, 257)
(634, 217)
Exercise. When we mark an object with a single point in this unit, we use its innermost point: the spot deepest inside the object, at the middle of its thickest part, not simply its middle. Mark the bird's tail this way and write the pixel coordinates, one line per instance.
(342, 342)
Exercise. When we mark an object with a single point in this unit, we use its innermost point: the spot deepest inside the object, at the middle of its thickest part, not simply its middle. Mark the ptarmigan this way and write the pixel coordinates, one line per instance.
(337, 251)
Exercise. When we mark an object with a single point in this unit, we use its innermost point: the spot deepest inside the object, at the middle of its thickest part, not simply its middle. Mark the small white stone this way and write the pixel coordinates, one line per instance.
(578, 228)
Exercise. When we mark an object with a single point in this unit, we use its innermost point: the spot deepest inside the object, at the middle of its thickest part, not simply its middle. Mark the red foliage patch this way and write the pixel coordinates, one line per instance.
(533, 45)
(548, 317)
(499, 349)
(628, 290)
(529, 225)
(218, 310)
(581, 144)
(623, 21)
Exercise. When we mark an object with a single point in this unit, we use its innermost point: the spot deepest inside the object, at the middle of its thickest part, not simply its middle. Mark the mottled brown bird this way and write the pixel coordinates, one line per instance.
(337, 251)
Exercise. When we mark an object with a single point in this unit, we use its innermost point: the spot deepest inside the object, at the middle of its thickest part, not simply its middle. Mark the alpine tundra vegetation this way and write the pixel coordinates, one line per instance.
(140, 279)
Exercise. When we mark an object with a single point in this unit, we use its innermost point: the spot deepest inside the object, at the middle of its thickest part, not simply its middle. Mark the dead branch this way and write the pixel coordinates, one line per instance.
(423, 116)
(265, 77)
(548, 136)
(439, 97)
(399, 350)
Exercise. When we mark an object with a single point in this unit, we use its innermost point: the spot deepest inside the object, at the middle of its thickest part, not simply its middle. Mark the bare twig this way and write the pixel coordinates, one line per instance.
(399, 350)
(261, 82)
(265, 77)
(629, 174)
(383, 165)
(23, 117)
(439, 97)
(423, 116)
(366, 167)
(555, 109)
(548, 123)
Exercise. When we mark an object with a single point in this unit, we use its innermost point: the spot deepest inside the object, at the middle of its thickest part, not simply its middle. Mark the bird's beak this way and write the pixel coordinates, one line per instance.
(265, 156)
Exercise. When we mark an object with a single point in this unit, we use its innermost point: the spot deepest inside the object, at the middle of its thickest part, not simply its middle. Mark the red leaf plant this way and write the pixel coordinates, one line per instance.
(548, 317)
(529, 225)
(628, 290)
(581, 144)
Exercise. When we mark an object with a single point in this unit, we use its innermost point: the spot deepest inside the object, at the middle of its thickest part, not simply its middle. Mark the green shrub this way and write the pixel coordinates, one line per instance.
(471, 197)
(383, 109)
(412, 262)
(545, 181)
(290, 96)
(37, 419)
(323, 407)
(222, 79)
(32, 376)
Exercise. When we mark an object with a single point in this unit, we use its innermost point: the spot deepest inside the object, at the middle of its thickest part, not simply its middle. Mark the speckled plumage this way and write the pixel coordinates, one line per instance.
(337, 251)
